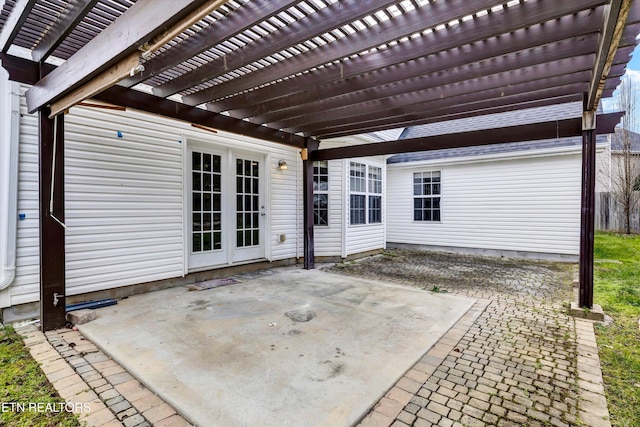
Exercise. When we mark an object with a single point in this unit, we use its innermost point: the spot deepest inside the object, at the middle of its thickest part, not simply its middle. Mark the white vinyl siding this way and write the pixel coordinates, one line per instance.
(125, 199)
(365, 237)
(328, 239)
(26, 285)
(529, 204)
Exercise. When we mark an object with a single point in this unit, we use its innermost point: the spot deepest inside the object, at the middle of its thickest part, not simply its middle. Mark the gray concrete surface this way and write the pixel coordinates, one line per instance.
(230, 356)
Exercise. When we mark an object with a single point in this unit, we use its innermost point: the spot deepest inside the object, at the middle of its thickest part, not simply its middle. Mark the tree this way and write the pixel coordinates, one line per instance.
(625, 159)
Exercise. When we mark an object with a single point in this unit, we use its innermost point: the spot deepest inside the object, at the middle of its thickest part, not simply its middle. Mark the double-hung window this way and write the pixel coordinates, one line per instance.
(426, 196)
(321, 192)
(365, 198)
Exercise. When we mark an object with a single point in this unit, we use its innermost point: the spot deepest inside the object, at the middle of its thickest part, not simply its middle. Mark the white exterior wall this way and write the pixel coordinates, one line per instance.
(328, 240)
(527, 204)
(341, 238)
(124, 199)
(366, 237)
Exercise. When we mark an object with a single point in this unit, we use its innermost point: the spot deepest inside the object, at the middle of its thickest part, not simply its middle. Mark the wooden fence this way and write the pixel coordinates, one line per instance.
(610, 215)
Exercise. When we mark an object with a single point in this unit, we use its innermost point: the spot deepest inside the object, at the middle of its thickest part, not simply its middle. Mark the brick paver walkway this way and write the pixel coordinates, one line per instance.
(83, 374)
(516, 360)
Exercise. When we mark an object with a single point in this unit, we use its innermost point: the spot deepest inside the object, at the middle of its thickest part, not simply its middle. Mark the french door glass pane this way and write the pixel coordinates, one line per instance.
(247, 203)
(206, 231)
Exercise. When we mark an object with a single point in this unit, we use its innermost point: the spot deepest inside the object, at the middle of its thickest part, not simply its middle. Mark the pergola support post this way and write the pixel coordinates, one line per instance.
(587, 212)
(307, 181)
(52, 239)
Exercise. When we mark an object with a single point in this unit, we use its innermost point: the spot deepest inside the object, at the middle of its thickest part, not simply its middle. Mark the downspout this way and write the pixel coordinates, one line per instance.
(9, 261)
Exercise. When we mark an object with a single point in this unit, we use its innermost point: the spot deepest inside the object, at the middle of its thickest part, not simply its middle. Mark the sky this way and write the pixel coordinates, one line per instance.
(633, 71)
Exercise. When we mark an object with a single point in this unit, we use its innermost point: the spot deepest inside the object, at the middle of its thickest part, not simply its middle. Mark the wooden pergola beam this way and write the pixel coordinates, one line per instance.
(615, 18)
(130, 98)
(75, 11)
(529, 132)
(25, 71)
(17, 17)
(431, 53)
(139, 24)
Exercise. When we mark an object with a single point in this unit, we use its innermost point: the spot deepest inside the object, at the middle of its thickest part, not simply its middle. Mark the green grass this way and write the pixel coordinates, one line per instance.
(22, 381)
(617, 289)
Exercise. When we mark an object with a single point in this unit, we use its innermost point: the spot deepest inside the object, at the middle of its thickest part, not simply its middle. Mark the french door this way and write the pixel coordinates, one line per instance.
(249, 209)
(207, 218)
(226, 209)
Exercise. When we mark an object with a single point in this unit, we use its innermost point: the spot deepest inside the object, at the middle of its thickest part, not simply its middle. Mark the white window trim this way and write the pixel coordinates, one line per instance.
(367, 193)
(323, 192)
(414, 196)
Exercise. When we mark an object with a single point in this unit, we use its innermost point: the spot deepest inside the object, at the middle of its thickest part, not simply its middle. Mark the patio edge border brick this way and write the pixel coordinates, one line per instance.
(593, 410)
(82, 373)
(392, 402)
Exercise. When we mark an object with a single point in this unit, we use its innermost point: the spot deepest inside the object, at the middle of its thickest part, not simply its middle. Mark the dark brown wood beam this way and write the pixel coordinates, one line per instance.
(15, 20)
(529, 91)
(25, 71)
(309, 151)
(74, 12)
(502, 109)
(22, 70)
(570, 56)
(52, 239)
(530, 132)
(587, 217)
(153, 104)
(419, 95)
(429, 52)
(401, 26)
(245, 17)
(333, 16)
(139, 24)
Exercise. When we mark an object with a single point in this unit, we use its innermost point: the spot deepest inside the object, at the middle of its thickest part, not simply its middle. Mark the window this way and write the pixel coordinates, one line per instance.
(365, 200)
(375, 195)
(321, 193)
(426, 196)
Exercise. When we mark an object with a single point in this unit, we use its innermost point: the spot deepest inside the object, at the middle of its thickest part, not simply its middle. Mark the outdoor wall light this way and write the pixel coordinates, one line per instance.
(282, 165)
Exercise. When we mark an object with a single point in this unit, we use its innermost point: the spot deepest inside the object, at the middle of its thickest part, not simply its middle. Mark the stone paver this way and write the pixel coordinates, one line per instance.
(516, 358)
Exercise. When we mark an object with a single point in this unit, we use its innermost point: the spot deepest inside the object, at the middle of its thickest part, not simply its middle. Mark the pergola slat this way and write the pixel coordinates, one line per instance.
(512, 70)
(406, 106)
(387, 81)
(64, 25)
(402, 26)
(432, 53)
(246, 16)
(17, 17)
(333, 16)
(478, 108)
(139, 24)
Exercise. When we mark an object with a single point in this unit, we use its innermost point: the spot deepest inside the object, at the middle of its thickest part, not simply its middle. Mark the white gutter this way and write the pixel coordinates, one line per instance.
(11, 92)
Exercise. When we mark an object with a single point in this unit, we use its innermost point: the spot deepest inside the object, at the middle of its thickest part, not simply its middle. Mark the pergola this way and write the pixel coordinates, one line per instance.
(299, 71)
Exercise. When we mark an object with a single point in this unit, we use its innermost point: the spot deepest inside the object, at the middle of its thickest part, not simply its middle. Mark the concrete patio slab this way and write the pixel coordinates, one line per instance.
(230, 356)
